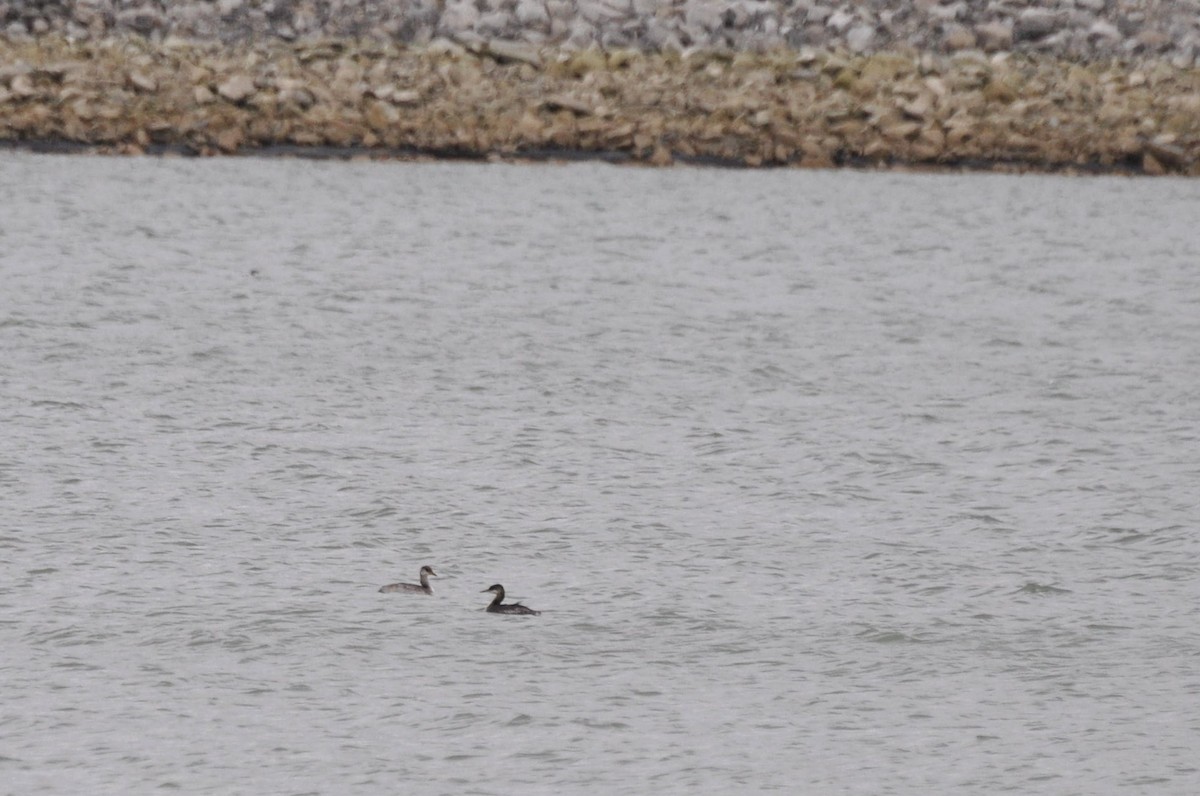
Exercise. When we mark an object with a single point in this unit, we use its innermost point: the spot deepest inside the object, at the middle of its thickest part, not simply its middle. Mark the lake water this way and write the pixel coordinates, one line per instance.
(825, 482)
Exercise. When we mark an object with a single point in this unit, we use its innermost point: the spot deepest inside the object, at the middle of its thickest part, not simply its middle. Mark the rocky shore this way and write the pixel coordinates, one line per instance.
(1064, 29)
(1090, 85)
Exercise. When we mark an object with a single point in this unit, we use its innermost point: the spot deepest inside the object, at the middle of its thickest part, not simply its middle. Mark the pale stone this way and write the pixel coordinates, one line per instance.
(900, 131)
(533, 14)
(299, 97)
(496, 24)
(576, 106)
(702, 14)
(290, 84)
(1164, 150)
(919, 108)
(601, 12)
(859, 38)
(88, 13)
(580, 35)
(22, 86)
(994, 35)
(381, 92)
(229, 140)
(237, 89)
(662, 36)
(1185, 60)
(1036, 23)
(585, 61)
(839, 21)
(458, 17)
(562, 10)
(818, 15)
(1153, 40)
(444, 48)
(514, 51)
(751, 13)
(380, 116)
(956, 37)
(144, 20)
(949, 13)
(348, 72)
(143, 82)
(1104, 30)
(1151, 165)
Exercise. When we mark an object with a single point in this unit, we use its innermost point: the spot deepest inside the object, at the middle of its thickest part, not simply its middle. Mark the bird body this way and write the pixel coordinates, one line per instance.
(498, 606)
(423, 588)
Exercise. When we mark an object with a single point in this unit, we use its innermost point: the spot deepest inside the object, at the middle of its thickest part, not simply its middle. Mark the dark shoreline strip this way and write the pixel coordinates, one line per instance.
(1130, 168)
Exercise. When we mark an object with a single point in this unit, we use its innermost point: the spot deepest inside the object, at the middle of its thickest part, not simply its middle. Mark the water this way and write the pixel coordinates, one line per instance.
(830, 483)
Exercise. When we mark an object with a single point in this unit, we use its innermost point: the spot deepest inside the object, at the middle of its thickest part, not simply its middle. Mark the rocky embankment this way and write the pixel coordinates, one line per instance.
(1083, 85)
(1068, 29)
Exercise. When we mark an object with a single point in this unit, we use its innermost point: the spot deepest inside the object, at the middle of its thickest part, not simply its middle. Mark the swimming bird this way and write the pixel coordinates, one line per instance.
(497, 605)
(425, 588)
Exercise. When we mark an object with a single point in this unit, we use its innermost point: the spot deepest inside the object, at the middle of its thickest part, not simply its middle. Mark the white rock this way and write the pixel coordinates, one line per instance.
(662, 35)
(817, 15)
(143, 20)
(580, 35)
(459, 16)
(237, 88)
(560, 10)
(533, 14)
(703, 14)
(1104, 30)
(948, 13)
(995, 35)
(956, 37)
(301, 97)
(859, 38)
(601, 12)
(749, 13)
(515, 51)
(445, 48)
(87, 12)
(495, 23)
(839, 21)
(22, 86)
(143, 82)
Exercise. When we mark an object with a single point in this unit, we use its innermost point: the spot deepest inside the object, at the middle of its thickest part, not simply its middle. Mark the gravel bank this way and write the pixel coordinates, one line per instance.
(928, 85)
(1065, 29)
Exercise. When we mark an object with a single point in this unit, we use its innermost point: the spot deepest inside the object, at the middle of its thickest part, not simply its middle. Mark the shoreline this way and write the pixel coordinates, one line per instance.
(512, 101)
(559, 156)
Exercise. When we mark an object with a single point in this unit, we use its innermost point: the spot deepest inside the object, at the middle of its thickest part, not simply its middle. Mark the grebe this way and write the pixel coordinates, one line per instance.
(497, 605)
(424, 588)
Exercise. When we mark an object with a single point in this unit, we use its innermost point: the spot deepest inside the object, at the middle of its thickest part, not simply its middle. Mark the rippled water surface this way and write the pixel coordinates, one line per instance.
(828, 483)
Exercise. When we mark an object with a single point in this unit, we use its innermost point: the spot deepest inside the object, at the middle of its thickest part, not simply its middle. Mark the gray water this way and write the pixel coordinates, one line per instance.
(825, 482)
